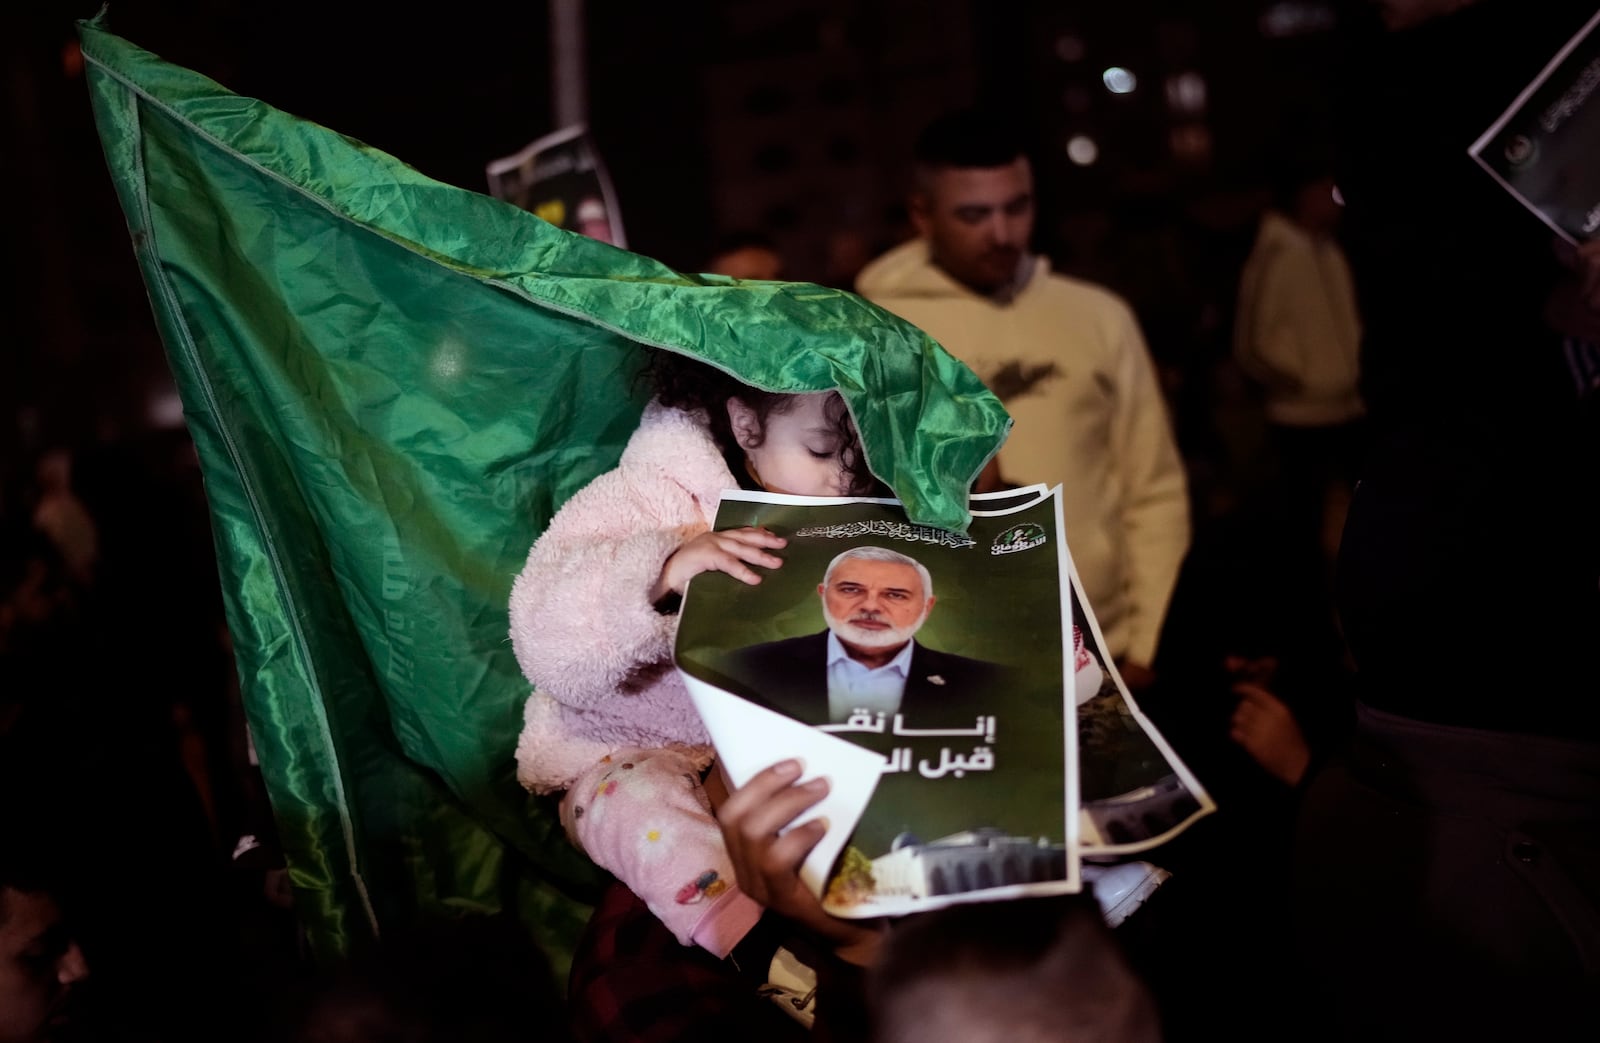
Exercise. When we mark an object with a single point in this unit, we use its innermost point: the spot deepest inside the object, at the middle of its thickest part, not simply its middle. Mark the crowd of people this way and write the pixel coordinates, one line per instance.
(1357, 603)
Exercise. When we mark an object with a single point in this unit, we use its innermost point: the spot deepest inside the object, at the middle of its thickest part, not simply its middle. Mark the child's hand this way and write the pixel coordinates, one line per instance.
(732, 551)
(768, 865)
(1267, 730)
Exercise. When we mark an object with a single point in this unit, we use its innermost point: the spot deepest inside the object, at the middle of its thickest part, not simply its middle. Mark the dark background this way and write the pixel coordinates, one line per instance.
(788, 117)
(793, 118)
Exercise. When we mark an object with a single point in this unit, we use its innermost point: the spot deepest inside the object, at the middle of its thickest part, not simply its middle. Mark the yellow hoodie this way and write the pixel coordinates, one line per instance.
(1068, 360)
(1297, 331)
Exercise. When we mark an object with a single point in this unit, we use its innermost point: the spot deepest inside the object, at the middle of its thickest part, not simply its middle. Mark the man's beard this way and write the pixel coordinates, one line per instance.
(863, 637)
(997, 272)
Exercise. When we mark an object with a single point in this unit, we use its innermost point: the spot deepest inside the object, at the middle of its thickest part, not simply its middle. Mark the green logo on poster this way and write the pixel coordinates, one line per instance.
(1017, 538)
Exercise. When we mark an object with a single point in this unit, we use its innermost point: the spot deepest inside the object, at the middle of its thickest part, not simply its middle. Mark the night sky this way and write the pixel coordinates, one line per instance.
(448, 87)
(445, 89)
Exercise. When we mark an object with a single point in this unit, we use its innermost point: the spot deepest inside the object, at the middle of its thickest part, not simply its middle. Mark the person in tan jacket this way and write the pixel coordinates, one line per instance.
(1297, 331)
(1067, 358)
(1297, 334)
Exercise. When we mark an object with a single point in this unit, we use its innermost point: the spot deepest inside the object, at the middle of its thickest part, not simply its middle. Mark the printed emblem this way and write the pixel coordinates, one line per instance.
(706, 885)
(1520, 150)
(1018, 538)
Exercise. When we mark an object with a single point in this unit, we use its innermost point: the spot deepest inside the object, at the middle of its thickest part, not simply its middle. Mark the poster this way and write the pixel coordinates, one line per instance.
(1135, 792)
(935, 678)
(561, 179)
(1542, 149)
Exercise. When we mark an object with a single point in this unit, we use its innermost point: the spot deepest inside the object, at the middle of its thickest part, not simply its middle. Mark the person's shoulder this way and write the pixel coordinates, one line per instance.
(897, 272)
(1097, 319)
(669, 465)
(1089, 299)
(664, 439)
(676, 446)
(784, 647)
(665, 432)
(1283, 244)
(951, 662)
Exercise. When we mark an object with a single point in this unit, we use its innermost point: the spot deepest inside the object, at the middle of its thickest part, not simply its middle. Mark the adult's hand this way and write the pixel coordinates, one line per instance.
(1267, 730)
(731, 550)
(1573, 307)
(1584, 262)
(1139, 679)
(767, 865)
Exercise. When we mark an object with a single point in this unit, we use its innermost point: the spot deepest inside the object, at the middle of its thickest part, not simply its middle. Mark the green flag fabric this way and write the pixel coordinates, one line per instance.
(392, 384)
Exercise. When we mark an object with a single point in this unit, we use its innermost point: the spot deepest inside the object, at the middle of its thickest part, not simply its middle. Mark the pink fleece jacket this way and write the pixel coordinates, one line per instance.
(609, 720)
(582, 625)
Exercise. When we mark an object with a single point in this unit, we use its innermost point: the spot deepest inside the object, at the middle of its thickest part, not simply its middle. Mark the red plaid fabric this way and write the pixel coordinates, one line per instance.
(632, 982)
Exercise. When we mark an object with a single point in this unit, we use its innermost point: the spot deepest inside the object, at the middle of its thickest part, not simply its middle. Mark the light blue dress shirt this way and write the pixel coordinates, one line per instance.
(852, 686)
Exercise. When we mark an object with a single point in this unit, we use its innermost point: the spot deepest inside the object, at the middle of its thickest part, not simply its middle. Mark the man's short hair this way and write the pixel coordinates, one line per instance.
(1036, 969)
(1301, 155)
(742, 239)
(964, 140)
(881, 554)
(30, 842)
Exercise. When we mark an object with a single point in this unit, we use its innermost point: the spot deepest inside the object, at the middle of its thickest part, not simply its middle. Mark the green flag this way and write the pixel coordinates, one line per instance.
(392, 385)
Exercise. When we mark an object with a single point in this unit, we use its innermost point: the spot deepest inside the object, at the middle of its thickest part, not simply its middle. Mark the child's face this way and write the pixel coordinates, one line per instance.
(799, 450)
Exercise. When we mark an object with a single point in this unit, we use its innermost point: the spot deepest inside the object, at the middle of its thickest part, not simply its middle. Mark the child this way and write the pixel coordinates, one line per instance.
(593, 618)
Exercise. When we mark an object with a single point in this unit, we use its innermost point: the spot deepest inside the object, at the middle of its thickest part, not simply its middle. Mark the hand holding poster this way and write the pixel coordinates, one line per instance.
(1542, 149)
(932, 677)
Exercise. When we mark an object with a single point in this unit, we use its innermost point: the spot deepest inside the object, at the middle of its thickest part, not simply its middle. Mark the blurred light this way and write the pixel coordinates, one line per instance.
(71, 60)
(833, 35)
(1076, 100)
(1082, 150)
(1338, 196)
(164, 410)
(1297, 18)
(1186, 93)
(449, 359)
(1191, 143)
(1119, 80)
(1070, 48)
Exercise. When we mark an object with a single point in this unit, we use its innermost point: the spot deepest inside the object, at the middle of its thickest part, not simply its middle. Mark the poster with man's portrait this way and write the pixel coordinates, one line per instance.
(943, 655)
(1134, 790)
(1542, 148)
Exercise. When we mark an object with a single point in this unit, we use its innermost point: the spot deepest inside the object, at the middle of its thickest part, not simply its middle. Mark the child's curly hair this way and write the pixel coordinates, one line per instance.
(686, 383)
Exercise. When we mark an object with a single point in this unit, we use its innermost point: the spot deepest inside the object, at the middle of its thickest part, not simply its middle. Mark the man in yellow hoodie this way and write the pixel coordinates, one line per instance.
(1065, 356)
